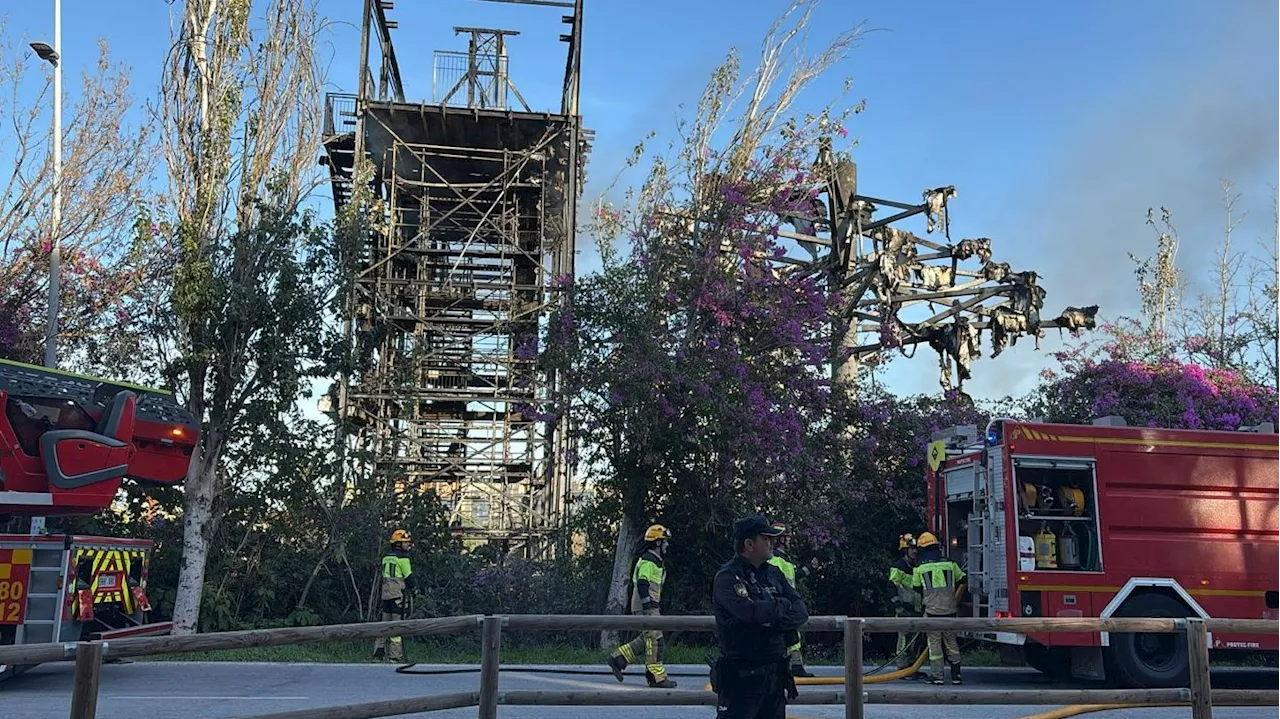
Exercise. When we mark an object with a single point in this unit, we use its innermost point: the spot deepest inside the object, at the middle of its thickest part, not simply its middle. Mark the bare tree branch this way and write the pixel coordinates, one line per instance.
(105, 161)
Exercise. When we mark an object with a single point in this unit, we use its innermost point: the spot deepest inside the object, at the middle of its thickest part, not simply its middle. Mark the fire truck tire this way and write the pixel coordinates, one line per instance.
(1149, 661)
(1054, 662)
(9, 671)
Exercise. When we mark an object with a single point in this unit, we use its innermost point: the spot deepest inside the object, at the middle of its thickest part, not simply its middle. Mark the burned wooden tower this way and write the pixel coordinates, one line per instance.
(469, 241)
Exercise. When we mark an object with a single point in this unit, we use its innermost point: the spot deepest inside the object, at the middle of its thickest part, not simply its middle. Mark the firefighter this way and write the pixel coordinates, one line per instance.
(789, 570)
(398, 582)
(906, 600)
(936, 578)
(757, 612)
(646, 596)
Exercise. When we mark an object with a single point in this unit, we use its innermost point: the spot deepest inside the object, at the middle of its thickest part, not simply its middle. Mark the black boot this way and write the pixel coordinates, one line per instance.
(955, 673)
(798, 670)
(666, 683)
(617, 664)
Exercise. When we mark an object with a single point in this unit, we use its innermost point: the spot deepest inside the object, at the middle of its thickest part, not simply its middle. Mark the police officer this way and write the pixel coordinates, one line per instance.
(757, 614)
(398, 581)
(790, 571)
(906, 600)
(646, 598)
(936, 577)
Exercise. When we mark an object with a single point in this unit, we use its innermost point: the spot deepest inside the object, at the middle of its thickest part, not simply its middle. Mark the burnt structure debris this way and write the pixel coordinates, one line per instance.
(902, 290)
(471, 206)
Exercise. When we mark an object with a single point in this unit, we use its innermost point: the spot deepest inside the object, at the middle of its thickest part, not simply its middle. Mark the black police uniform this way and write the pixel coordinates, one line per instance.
(757, 614)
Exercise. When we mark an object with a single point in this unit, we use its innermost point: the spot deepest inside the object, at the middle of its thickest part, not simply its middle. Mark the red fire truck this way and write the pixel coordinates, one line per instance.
(1103, 520)
(66, 443)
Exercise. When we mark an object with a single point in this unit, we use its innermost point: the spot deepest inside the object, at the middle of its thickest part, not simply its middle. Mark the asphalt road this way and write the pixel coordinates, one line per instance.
(226, 690)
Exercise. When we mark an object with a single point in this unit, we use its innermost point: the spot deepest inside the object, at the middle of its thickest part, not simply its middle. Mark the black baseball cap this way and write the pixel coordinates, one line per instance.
(749, 527)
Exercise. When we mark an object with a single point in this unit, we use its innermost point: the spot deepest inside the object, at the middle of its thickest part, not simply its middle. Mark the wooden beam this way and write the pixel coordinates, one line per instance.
(941, 695)
(490, 654)
(853, 708)
(386, 708)
(1198, 666)
(84, 691)
(139, 646)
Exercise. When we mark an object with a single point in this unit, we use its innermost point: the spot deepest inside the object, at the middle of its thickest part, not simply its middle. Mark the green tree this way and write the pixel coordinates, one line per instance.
(240, 114)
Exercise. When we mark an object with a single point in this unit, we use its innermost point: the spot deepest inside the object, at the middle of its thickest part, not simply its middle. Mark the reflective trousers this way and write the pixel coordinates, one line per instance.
(650, 643)
(392, 611)
(942, 645)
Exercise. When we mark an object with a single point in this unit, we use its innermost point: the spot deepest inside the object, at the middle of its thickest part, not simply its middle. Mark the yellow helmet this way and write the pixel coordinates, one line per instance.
(905, 541)
(400, 535)
(656, 532)
(926, 540)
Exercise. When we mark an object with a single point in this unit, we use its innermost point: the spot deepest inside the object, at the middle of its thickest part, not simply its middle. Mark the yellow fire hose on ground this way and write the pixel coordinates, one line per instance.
(1064, 712)
(867, 678)
(870, 678)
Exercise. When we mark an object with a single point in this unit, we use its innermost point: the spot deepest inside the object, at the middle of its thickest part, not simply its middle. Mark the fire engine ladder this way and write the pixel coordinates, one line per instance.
(43, 622)
(976, 536)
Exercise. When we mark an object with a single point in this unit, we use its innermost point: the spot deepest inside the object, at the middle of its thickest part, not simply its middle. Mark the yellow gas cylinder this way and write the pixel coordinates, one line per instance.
(1046, 549)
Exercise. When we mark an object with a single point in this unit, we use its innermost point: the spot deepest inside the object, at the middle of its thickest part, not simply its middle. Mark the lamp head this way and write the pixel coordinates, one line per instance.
(46, 53)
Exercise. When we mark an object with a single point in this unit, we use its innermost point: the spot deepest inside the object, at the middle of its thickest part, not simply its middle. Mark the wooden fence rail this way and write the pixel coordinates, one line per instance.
(221, 641)
(1199, 696)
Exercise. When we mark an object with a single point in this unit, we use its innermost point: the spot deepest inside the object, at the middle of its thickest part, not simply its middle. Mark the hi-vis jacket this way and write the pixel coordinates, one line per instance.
(397, 574)
(937, 580)
(646, 582)
(901, 576)
(786, 567)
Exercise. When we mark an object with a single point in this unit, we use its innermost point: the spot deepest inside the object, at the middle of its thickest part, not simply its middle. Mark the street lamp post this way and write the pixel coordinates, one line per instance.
(53, 56)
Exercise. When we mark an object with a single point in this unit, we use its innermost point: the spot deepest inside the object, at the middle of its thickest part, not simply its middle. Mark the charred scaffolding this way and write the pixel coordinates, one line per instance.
(902, 290)
(472, 246)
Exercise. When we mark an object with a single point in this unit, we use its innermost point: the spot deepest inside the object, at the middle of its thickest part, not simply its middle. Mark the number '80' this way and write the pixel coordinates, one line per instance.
(10, 590)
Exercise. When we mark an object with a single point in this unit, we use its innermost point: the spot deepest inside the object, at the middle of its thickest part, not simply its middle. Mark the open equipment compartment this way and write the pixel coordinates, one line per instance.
(1058, 528)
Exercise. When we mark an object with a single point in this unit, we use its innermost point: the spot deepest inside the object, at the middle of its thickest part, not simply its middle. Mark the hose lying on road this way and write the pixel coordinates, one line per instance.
(1064, 712)
(871, 678)
(866, 678)
(408, 669)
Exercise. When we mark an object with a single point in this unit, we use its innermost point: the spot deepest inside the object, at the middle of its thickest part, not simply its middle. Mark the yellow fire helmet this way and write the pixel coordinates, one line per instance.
(400, 535)
(926, 540)
(905, 541)
(656, 532)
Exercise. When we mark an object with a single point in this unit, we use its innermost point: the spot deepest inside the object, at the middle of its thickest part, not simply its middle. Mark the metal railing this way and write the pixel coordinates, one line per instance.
(339, 113)
(453, 81)
(88, 657)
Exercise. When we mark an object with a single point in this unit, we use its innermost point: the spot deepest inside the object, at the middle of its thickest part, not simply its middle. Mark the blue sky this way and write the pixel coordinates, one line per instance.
(1059, 123)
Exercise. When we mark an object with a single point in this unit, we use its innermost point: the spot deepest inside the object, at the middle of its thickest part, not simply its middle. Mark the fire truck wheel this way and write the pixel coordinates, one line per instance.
(9, 671)
(1149, 661)
(1051, 661)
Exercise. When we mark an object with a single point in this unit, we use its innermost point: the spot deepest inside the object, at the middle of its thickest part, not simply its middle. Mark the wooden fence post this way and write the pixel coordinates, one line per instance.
(1198, 664)
(490, 651)
(853, 668)
(84, 691)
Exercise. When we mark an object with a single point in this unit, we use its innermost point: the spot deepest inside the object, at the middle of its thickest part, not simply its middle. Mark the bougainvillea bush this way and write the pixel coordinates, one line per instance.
(699, 383)
(696, 365)
(1158, 393)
